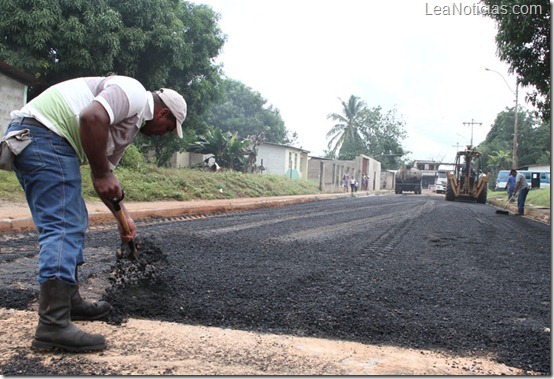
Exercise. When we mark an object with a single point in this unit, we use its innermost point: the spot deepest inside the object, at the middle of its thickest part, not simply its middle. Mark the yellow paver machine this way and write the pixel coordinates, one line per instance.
(467, 182)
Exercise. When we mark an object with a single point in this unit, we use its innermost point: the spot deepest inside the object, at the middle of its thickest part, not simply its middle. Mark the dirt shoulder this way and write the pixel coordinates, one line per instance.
(143, 347)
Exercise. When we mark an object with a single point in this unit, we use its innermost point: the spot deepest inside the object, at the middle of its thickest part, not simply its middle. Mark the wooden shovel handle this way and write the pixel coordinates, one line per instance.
(120, 215)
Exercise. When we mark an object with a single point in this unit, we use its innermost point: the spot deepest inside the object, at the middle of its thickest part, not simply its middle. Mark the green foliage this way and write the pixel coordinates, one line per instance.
(533, 145)
(498, 160)
(523, 41)
(383, 133)
(9, 187)
(244, 111)
(537, 197)
(132, 159)
(55, 40)
(363, 130)
(345, 135)
(229, 151)
(153, 183)
(162, 43)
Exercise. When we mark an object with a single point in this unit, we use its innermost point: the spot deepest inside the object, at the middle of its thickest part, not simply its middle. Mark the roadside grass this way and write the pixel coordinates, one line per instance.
(537, 197)
(152, 183)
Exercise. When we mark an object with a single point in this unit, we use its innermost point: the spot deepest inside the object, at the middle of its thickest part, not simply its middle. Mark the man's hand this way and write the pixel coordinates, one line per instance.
(128, 237)
(107, 186)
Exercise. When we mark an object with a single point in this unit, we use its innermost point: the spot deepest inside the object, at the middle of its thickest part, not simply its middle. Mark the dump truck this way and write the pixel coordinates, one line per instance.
(408, 178)
(467, 182)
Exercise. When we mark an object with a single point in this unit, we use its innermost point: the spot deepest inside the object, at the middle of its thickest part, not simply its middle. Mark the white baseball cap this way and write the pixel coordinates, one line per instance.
(177, 105)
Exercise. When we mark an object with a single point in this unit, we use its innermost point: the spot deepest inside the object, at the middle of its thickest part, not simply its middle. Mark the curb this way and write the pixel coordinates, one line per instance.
(192, 208)
(532, 212)
(188, 208)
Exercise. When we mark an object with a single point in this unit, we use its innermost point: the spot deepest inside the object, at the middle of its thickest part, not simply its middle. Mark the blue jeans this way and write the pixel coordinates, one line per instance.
(511, 192)
(521, 199)
(49, 173)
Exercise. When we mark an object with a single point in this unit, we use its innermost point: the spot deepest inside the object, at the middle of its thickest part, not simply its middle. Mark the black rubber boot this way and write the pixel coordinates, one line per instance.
(55, 329)
(86, 310)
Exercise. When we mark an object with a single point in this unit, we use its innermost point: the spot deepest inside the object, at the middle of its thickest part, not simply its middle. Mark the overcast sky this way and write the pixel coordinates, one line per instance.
(303, 55)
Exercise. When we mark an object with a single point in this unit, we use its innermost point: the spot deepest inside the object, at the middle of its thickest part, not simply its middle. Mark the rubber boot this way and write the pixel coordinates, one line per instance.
(55, 329)
(86, 310)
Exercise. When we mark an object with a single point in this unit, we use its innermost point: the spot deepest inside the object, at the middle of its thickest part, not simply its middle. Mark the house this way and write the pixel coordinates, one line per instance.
(329, 173)
(283, 160)
(428, 171)
(13, 92)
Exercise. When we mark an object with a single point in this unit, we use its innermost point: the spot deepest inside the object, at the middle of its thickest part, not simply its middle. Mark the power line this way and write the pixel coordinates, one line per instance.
(472, 123)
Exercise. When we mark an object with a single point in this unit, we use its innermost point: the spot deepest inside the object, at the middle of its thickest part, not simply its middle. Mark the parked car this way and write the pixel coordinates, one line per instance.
(501, 180)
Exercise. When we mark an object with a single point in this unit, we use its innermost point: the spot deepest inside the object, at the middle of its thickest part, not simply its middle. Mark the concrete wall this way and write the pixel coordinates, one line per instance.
(329, 173)
(187, 160)
(13, 95)
(387, 180)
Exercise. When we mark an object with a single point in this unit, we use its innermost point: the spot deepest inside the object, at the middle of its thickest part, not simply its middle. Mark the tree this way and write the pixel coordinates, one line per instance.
(500, 160)
(369, 131)
(228, 149)
(523, 41)
(345, 136)
(383, 133)
(162, 43)
(55, 40)
(245, 111)
(533, 140)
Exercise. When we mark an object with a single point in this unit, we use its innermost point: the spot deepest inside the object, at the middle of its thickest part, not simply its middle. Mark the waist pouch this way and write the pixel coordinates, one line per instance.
(11, 145)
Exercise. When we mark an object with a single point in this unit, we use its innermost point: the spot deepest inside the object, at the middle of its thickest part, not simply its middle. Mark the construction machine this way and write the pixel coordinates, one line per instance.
(467, 182)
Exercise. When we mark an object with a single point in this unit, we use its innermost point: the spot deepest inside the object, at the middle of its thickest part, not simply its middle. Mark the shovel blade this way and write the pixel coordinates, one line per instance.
(128, 251)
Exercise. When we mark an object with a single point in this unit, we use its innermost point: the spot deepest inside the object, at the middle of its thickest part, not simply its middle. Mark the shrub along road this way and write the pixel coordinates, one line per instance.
(409, 272)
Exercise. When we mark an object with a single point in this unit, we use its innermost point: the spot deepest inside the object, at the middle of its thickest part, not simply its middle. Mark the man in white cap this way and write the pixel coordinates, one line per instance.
(94, 120)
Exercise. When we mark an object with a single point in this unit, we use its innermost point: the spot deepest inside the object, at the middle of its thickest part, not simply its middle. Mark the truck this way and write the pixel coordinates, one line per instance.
(467, 182)
(441, 178)
(407, 178)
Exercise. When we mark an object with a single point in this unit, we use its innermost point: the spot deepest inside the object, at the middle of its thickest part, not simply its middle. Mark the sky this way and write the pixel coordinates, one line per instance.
(302, 56)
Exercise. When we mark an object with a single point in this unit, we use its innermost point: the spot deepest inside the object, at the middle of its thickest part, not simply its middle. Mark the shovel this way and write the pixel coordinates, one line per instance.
(120, 215)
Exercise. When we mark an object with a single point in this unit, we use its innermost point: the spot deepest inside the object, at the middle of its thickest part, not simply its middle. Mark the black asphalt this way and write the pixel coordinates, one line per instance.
(407, 270)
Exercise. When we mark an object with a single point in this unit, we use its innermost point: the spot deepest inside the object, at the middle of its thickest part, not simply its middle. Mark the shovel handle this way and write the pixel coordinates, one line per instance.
(120, 215)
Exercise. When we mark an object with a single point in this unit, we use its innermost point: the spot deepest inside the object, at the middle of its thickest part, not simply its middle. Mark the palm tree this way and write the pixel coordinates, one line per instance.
(499, 159)
(348, 126)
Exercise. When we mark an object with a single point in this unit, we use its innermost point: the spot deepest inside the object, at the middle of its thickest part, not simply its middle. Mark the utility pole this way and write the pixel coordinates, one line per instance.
(514, 163)
(472, 123)
(457, 146)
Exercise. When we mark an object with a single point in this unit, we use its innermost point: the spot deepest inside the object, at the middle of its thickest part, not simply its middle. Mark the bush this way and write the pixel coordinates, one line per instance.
(132, 159)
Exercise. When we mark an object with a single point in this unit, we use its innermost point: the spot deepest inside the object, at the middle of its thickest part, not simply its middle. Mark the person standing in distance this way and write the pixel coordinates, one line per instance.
(523, 188)
(510, 186)
(88, 119)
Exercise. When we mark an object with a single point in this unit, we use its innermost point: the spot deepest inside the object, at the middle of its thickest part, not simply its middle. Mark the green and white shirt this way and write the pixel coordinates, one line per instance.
(126, 101)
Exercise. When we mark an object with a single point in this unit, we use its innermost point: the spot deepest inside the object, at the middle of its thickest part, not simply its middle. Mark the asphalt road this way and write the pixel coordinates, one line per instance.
(406, 270)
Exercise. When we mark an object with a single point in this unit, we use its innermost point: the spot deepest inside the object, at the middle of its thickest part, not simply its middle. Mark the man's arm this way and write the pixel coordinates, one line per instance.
(94, 123)
(93, 128)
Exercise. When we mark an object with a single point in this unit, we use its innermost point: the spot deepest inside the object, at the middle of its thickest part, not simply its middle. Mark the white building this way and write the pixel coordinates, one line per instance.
(283, 160)
(13, 92)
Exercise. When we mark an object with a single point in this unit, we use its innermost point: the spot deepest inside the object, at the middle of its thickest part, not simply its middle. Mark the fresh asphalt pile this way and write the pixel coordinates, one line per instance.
(460, 287)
